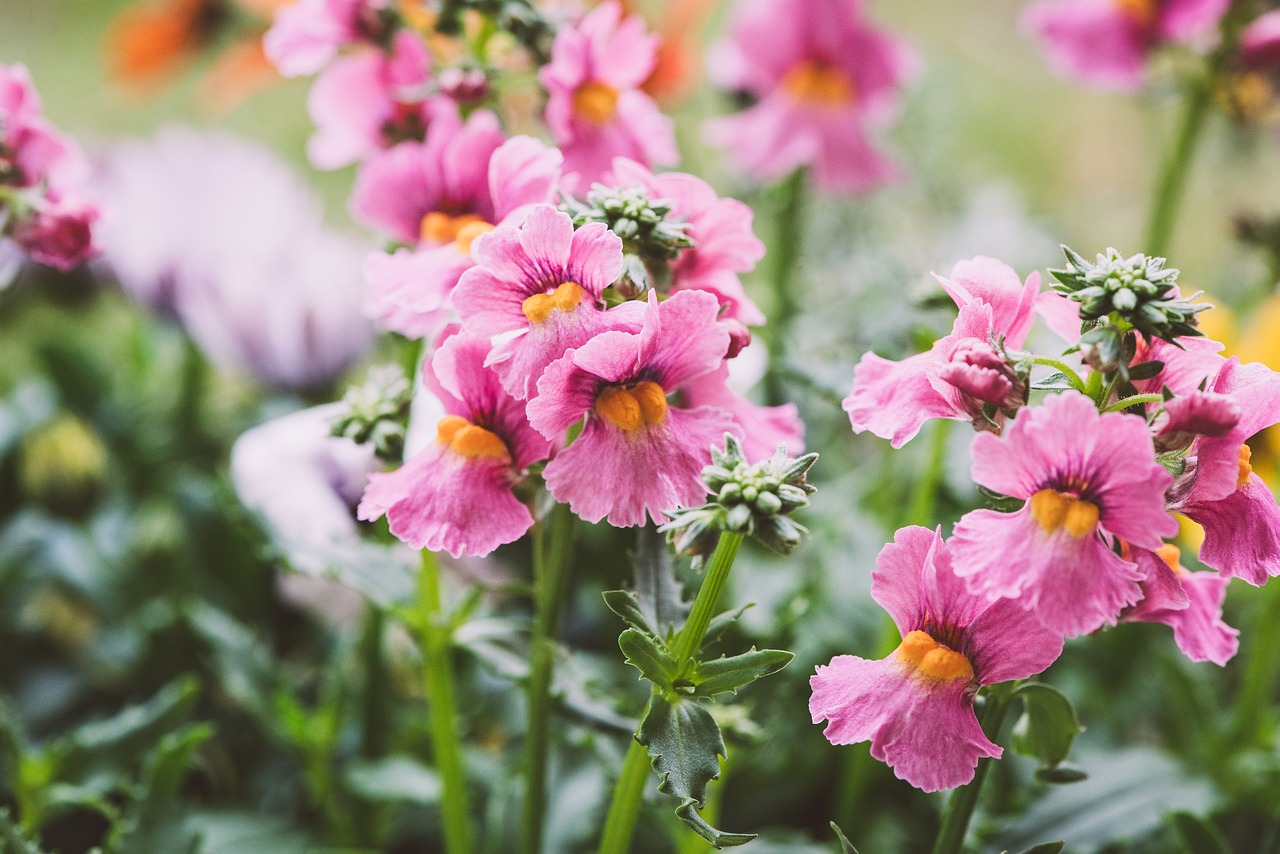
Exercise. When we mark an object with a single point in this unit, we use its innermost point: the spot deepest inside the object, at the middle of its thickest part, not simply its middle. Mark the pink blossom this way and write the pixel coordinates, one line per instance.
(456, 494)
(963, 376)
(543, 280)
(595, 108)
(823, 77)
(639, 452)
(307, 34)
(1189, 602)
(724, 243)
(916, 706)
(1260, 42)
(58, 234)
(1106, 43)
(762, 428)
(1086, 478)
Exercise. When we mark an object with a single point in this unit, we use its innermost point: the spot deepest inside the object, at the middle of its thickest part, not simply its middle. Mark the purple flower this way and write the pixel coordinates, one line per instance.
(916, 706)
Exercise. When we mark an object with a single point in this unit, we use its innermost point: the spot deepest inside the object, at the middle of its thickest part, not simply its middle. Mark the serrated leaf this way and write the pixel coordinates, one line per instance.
(1048, 724)
(1199, 835)
(1056, 381)
(394, 778)
(685, 746)
(658, 592)
(645, 653)
(846, 847)
(723, 675)
(625, 604)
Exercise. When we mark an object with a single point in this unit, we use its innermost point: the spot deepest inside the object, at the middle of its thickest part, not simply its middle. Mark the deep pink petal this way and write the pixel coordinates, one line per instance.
(1241, 532)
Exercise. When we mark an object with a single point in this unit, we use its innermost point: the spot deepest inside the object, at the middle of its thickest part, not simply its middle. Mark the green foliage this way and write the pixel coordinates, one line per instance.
(394, 778)
(846, 847)
(728, 674)
(1048, 724)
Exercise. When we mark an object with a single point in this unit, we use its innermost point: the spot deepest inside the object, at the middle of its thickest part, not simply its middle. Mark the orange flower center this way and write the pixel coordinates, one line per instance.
(931, 660)
(632, 408)
(438, 228)
(1172, 556)
(564, 298)
(469, 440)
(819, 84)
(595, 102)
(1140, 11)
(1246, 469)
(1056, 510)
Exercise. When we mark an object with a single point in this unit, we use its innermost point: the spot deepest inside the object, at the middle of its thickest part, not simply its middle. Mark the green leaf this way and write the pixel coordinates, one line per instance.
(1199, 835)
(1146, 370)
(1046, 848)
(625, 604)
(394, 778)
(658, 592)
(156, 820)
(685, 747)
(1057, 381)
(1061, 775)
(1048, 724)
(722, 621)
(846, 847)
(729, 674)
(11, 839)
(115, 741)
(245, 832)
(646, 654)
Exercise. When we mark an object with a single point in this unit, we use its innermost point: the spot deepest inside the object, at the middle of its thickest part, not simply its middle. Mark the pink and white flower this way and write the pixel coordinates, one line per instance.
(1087, 478)
(456, 495)
(307, 34)
(638, 452)
(823, 77)
(916, 706)
(596, 109)
(1106, 43)
(1188, 602)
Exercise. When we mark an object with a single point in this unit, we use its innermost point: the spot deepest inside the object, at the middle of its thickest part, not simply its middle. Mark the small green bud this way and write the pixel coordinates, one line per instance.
(63, 466)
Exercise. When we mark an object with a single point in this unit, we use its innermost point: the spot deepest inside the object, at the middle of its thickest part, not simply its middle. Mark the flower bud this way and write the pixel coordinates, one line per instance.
(63, 466)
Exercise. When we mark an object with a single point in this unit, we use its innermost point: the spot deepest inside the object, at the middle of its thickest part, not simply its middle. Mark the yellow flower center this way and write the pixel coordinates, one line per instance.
(1172, 556)
(931, 660)
(1055, 510)
(595, 102)
(632, 408)
(819, 84)
(1140, 11)
(469, 440)
(538, 307)
(1246, 469)
(438, 228)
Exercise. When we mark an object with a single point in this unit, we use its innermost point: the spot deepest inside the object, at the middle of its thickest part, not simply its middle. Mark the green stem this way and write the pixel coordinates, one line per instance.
(1067, 371)
(689, 641)
(1133, 400)
(925, 500)
(784, 253)
(374, 723)
(438, 676)
(628, 797)
(1258, 683)
(955, 821)
(187, 408)
(551, 566)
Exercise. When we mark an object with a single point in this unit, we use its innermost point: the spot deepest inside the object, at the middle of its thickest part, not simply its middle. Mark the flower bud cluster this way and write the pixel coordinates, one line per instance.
(750, 499)
(375, 411)
(1138, 290)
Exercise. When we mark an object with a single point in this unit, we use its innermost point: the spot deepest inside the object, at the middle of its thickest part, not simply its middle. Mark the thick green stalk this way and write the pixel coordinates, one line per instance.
(438, 675)
(1258, 684)
(925, 500)
(689, 641)
(628, 797)
(784, 253)
(551, 565)
(955, 821)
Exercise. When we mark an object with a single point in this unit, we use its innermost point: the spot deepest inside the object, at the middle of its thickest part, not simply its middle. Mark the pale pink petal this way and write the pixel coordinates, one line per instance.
(995, 283)
(894, 399)
(1094, 41)
(522, 172)
(408, 292)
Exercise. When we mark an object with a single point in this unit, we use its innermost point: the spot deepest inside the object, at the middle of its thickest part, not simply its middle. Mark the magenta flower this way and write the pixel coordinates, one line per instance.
(823, 77)
(595, 108)
(638, 451)
(1260, 42)
(916, 706)
(307, 34)
(963, 373)
(1087, 478)
(724, 244)
(1188, 602)
(544, 280)
(370, 100)
(1106, 43)
(456, 495)
(440, 196)
(762, 428)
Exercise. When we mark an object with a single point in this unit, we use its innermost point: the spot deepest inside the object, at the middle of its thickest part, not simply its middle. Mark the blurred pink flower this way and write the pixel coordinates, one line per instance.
(595, 107)
(822, 76)
(916, 706)
(223, 235)
(307, 34)
(1106, 43)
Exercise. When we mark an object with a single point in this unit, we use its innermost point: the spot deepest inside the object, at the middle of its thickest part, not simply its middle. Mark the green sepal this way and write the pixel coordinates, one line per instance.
(685, 746)
(1056, 381)
(846, 847)
(645, 653)
(728, 674)
(1048, 724)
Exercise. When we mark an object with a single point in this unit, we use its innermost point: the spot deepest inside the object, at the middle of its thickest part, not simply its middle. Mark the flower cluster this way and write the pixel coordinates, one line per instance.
(42, 180)
(1099, 474)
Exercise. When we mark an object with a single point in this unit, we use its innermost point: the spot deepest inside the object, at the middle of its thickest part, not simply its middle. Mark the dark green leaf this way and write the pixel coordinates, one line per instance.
(722, 621)
(723, 675)
(688, 813)
(1048, 724)
(625, 604)
(1046, 848)
(156, 820)
(394, 778)
(118, 739)
(846, 847)
(1199, 835)
(658, 592)
(11, 839)
(1146, 370)
(1060, 775)
(646, 654)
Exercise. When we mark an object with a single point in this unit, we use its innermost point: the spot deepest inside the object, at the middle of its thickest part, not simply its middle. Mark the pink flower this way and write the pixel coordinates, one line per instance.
(1106, 43)
(595, 108)
(963, 376)
(544, 280)
(822, 76)
(440, 195)
(916, 706)
(762, 428)
(1189, 602)
(638, 451)
(724, 244)
(1260, 42)
(1086, 478)
(307, 34)
(456, 495)
(370, 100)
(58, 234)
